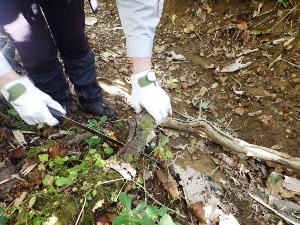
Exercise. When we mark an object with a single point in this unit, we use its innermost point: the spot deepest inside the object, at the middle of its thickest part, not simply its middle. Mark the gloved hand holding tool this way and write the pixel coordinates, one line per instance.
(147, 93)
(30, 103)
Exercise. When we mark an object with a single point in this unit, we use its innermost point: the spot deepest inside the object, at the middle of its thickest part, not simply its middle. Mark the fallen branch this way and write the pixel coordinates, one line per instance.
(294, 222)
(233, 144)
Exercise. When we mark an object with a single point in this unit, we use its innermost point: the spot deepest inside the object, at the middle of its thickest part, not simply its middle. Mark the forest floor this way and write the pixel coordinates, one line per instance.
(197, 43)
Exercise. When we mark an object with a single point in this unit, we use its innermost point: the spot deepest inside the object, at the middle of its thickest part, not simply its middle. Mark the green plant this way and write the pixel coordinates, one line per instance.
(161, 151)
(283, 3)
(97, 125)
(12, 112)
(142, 214)
(93, 141)
(3, 219)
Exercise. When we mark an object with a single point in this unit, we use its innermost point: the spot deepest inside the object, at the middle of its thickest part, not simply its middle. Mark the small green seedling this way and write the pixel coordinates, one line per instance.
(3, 219)
(142, 214)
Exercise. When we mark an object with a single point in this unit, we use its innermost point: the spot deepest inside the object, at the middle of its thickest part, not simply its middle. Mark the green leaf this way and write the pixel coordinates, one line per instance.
(164, 140)
(108, 151)
(48, 180)
(162, 211)
(261, 30)
(169, 154)
(12, 112)
(140, 180)
(139, 208)
(1, 210)
(125, 200)
(152, 211)
(62, 181)
(37, 221)
(32, 201)
(52, 189)
(97, 156)
(92, 151)
(100, 163)
(93, 141)
(280, 1)
(121, 220)
(3, 220)
(92, 123)
(146, 221)
(274, 177)
(43, 157)
(84, 166)
(59, 161)
(166, 220)
(103, 119)
(73, 175)
(19, 123)
(41, 167)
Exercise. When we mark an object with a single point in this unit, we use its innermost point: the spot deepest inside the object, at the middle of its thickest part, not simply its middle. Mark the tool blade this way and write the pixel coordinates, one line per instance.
(59, 116)
(93, 131)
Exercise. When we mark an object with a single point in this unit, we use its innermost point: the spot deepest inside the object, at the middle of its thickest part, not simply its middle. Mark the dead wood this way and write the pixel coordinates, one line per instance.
(74, 139)
(140, 128)
(233, 144)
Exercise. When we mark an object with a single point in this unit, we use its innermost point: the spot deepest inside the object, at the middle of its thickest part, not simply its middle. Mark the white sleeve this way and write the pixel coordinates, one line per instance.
(139, 20)
(4, 65)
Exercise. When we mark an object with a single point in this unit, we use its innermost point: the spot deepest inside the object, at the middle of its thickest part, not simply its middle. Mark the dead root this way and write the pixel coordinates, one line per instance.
(234, 145)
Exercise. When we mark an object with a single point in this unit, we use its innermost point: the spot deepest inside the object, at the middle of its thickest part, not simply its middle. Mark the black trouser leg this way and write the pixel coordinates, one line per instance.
(73, 45)
(36, 47)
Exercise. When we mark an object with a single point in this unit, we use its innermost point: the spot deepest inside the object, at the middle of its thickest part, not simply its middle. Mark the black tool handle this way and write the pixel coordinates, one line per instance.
(55, 113)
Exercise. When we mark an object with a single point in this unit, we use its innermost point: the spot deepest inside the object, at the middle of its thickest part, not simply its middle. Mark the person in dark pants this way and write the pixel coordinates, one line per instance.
(27, 26)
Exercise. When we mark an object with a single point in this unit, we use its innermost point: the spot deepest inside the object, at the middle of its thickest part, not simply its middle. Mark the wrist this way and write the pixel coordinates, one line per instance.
(143, 78)
(16, 87)
(8, 77)
(141, 64)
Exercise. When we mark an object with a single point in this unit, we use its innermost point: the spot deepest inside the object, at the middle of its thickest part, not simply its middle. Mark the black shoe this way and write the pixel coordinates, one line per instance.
(98, 108)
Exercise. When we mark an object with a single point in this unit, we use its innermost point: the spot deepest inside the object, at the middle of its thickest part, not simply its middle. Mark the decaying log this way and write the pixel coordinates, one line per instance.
(234, 144)
(140, 128)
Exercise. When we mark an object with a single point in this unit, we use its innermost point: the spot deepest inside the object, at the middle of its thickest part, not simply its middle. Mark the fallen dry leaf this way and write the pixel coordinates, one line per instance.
(90, 20)
(3, 134)
(106, 219)
(198, 211)
(20, 137)
(18, 153)
(242, 26)
(278, 191)
(239, 110)
(265, 119)
(291, 184)
(277, 146)
(235, 66)
(174, 56)
(168, 183)
(57, 150)
(189, 28)
(255, 113)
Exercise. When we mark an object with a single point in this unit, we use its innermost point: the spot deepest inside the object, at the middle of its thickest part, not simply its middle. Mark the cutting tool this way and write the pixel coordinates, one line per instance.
(62, 118)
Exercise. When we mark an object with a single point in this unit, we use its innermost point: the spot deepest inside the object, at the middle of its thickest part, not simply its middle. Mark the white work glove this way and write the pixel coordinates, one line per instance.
(30, 103)
(147, 93)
